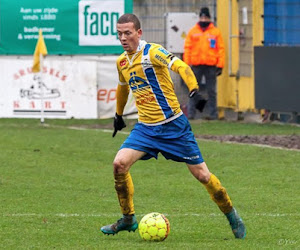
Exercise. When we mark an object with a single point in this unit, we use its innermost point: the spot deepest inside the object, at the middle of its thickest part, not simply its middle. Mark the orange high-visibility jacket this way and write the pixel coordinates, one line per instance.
(204, 47)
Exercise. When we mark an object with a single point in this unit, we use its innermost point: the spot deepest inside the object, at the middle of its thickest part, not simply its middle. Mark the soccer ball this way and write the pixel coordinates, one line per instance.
(154, 227)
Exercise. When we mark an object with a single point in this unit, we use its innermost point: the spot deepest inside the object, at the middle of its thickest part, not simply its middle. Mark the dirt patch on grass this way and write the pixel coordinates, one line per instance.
(283, 141)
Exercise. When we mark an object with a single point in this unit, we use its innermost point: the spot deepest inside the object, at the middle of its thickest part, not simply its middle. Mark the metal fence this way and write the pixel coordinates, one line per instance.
(152, 15)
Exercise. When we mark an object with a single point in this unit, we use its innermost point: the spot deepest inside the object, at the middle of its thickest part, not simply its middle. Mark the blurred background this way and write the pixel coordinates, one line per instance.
(260, 81)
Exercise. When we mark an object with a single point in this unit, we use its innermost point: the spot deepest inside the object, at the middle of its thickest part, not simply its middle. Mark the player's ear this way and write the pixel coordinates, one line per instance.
(140, 32)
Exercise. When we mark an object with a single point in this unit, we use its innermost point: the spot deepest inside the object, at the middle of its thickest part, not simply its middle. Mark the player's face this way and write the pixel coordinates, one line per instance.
(129, 36)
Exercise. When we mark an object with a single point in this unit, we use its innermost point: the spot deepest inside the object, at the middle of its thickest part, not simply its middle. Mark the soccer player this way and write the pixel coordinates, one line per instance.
(161, 127)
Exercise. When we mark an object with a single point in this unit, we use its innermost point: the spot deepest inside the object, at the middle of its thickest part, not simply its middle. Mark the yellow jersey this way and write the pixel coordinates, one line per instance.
(146, 73)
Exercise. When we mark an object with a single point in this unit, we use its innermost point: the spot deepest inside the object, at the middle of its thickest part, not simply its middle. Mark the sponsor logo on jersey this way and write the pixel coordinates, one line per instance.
(137, 83)
(123, 62)
(146, 63)
(159, 58)
(164, 51)
(145, 98)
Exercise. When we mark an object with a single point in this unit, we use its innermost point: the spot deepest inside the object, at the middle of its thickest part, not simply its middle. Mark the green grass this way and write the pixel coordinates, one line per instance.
(240, 128)
(57, 189)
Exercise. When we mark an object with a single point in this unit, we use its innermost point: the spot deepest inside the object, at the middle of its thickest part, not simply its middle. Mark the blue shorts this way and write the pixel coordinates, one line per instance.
(174, 140)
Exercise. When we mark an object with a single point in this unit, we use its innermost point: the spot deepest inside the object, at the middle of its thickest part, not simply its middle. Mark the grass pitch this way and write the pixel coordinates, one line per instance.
(57, 189)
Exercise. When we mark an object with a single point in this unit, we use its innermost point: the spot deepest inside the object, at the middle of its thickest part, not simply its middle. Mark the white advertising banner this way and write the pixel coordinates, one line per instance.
(107, 85)
(65, 89)
(98, 21)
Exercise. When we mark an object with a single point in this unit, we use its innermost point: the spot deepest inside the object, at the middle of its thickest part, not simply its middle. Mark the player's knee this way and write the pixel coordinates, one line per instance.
(120, 166)
(203, 174)
(203, 177)
(200, 172)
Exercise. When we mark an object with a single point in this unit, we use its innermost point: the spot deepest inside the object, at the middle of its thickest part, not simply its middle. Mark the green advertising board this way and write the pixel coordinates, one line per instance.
(69, 26)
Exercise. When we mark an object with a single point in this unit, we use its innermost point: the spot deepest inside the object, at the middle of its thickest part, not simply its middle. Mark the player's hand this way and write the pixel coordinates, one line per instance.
(218, 71)
(119, 124)
(200, 101)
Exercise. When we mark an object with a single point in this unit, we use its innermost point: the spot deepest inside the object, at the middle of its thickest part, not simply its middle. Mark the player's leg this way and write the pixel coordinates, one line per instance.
(184, 148)
(124, 159)
(220, 196)
(212, 184)
(123, 182)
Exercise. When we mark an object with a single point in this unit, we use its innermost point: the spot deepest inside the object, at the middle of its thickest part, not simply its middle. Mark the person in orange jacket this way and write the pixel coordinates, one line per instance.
(204, 52)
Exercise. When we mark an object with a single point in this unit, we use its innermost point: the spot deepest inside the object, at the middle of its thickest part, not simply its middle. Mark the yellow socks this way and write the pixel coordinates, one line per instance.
(125, 190)
(218, 194)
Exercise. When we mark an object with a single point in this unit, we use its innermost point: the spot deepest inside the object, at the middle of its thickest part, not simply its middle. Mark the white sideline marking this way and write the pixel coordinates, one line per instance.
(171, 215)
(251, 144)
(102, 130)
(228, 142)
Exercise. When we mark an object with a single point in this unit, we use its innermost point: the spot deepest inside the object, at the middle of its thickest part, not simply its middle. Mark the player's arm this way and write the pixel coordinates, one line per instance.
(122, 97)
(162, 57)
(186, 74)
(190, 80)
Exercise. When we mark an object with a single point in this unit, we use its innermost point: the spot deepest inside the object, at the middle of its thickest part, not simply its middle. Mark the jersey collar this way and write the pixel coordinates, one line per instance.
(142, 44)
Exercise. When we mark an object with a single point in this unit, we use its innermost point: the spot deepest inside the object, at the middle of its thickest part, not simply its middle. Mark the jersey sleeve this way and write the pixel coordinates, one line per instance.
(122, 80)
(122, 92)
(186, 74)
(162, 57)
(165, 58)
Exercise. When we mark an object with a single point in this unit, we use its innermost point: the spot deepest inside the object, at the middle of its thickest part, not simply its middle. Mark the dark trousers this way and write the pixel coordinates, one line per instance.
(209, 72)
